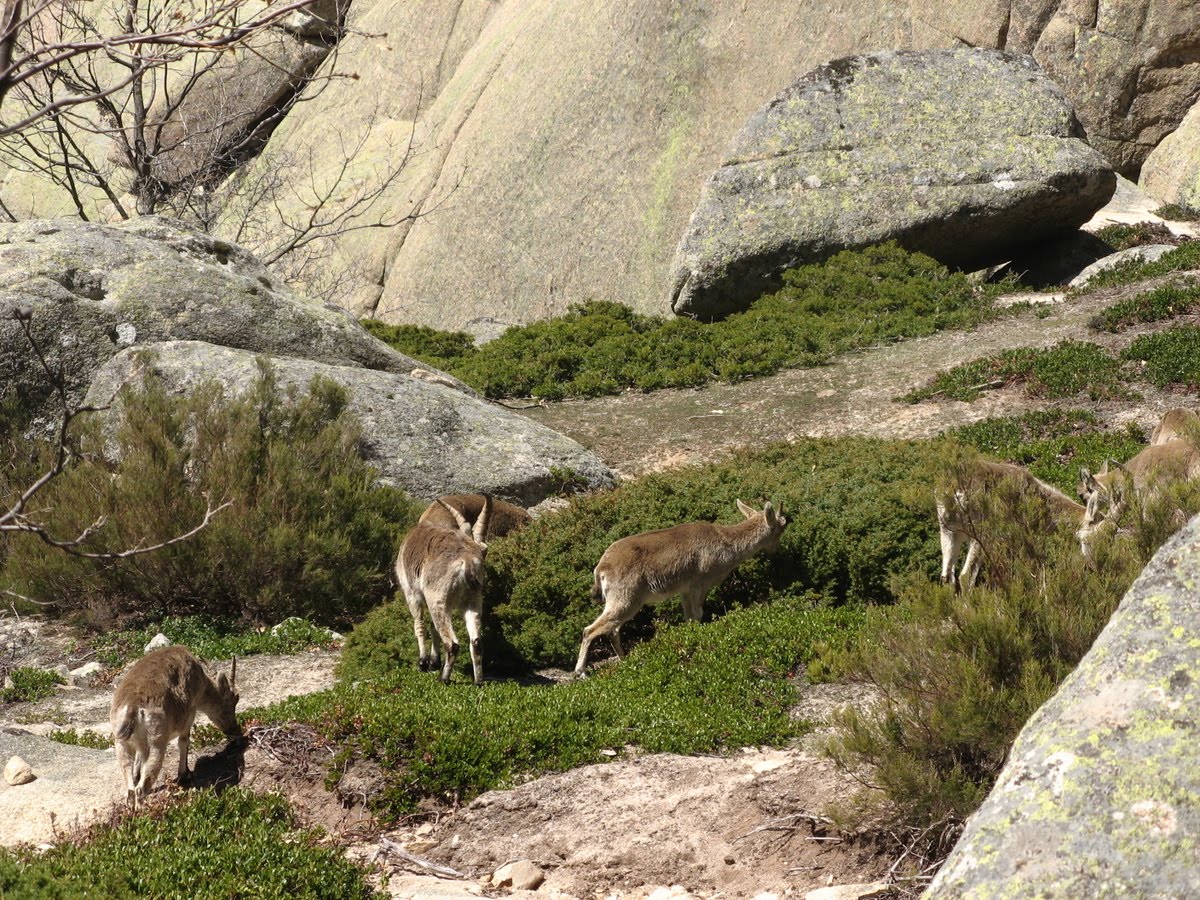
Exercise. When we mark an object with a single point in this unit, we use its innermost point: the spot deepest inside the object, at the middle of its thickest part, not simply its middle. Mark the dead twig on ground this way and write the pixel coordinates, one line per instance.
(389, 846)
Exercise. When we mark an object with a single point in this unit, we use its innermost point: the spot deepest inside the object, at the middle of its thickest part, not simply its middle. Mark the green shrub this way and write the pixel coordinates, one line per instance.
(858, 510)
(1122, 237)
(82, 738)
(1169, 357)
(30, 684)
(957, 676)
(212, 639)
(693, 688)
(1165, 302)
(232, 844)
(309, 533)
(855, 299)
(1052, 443)
(1177, 213)
(1064, 370)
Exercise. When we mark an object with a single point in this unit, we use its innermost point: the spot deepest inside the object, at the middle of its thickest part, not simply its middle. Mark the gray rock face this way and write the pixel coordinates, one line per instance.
(1143, 253)
(962, 154)
(96, 289)
(1172, 170)
(1098, 798)
(422, 437)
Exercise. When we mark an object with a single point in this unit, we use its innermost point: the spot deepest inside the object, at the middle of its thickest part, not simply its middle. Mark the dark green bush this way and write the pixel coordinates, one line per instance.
(30, 684)
(1122, 237)
(1064, 370)
(232, 844)
(308, 533)
(693, 688)
(957, 676)
(1165, 302)
(855, 299)
(859, 510)
(1169, 357)
(1177, 213)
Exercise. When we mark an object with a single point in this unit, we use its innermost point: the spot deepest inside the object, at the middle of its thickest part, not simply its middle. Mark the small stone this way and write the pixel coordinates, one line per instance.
(420, 845)
(9, 684)
(87, 670)
(158, 641)
(17, 771)
(520, 875)
(485, 879)
(424, 830)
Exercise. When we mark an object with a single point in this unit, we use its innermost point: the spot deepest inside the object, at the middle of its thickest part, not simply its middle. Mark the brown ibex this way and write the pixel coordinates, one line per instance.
(1179, 422)
(958, 512)
(155, 703)
(1146, 474)
(506, 517)
(687, 560)
(441, 570)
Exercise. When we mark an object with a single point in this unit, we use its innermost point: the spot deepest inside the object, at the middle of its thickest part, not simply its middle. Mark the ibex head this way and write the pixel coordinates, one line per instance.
(775, 522)
(224, 709)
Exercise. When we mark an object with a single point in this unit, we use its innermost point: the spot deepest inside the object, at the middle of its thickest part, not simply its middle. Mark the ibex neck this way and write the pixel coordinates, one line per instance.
(746, 537)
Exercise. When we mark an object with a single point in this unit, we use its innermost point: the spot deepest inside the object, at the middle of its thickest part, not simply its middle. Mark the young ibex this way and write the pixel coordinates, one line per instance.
(689, 560)
(155, 703)
(1108, 491)
(505, 518)
(957, 513)
(442, 570)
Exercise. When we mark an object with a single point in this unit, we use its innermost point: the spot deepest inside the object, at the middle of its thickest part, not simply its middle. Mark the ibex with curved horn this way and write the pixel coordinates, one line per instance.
(155, 703)
(441, 570)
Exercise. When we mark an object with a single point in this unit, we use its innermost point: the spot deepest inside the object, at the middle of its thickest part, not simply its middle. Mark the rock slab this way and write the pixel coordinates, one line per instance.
(425, 438)
(1098, 798)
(961, 154)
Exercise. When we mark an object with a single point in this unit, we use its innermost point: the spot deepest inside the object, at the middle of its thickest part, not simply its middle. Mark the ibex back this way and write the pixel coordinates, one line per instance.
(686, 560)
(505, 517)
(155, 703)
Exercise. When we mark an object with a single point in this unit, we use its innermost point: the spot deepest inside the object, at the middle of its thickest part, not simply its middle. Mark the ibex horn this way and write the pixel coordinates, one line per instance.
(233, 675)
(463, 525)
(481, 524)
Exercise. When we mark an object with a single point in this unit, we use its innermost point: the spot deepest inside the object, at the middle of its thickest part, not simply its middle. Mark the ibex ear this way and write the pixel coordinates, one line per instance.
(747, 511)
(1089, 483)
(223, 682)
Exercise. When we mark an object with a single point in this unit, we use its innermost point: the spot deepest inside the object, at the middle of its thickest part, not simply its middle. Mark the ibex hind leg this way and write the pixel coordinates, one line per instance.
(416, 608)
(609, 623)
(970, 570)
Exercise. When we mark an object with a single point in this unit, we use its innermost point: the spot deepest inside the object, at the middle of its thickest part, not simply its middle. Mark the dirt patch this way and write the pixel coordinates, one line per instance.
(730, 825)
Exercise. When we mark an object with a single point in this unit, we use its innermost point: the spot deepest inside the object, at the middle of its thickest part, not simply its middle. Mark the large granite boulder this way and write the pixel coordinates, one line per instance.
(425, 438)
(1099, 796)
(95, 290)
(961, 154)
(561, 150)
(1172, 170)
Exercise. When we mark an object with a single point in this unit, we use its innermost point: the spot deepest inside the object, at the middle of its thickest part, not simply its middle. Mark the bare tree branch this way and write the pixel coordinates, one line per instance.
(17, 520)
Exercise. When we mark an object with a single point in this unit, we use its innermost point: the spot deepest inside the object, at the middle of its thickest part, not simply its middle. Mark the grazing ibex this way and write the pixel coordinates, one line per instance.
(156, 702)
(689, 560)
(442, 569)
(506, 517)
(957, 513)
(1146, 474)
